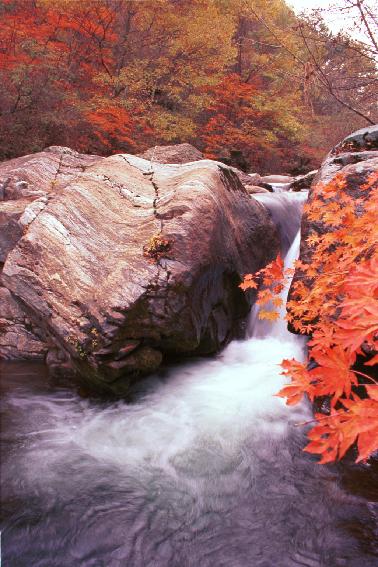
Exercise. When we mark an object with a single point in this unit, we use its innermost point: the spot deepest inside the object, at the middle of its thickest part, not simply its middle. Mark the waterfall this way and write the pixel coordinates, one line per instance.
(203, 469)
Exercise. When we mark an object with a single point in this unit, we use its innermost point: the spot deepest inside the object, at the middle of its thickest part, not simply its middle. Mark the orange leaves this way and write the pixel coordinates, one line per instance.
(270, 279)
(358, 321)
(335, 297)
(301, 382)
(333, 375)
(335, 434)
(111, 123)
(269, 315)
(249, 282)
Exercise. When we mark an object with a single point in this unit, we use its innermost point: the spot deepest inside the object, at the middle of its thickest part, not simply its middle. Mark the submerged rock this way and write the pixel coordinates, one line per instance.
(135, 261)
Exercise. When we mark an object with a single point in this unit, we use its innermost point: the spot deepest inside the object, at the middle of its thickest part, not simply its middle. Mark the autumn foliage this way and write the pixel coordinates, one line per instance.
(334, 298)
(231, 77)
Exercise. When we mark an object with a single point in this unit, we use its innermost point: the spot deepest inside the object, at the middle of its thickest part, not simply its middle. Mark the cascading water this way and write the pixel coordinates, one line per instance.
(204, 469)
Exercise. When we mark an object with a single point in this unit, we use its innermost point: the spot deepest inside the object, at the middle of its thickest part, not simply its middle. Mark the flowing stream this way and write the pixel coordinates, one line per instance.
(204, 469)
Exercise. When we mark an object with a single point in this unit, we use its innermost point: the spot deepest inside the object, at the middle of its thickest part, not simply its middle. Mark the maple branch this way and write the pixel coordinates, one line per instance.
(326, 82)
(365, 376)
(366, 23)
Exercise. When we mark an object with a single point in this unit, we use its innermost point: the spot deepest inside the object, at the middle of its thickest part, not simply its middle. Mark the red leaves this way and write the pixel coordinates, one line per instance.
(335, 297)
(301, 382)
(270, 280)
(333, 375)
(335, 434)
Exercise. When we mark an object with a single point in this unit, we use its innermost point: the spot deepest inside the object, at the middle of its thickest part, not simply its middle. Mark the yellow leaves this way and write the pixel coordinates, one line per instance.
(249, 282)
(269, 315)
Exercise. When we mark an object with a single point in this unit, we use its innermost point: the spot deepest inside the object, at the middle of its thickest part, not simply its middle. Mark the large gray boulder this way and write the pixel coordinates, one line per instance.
(132, 263)
(359, 146)
(364, 140)
(35, 175)
(26, 184)
(186, 153)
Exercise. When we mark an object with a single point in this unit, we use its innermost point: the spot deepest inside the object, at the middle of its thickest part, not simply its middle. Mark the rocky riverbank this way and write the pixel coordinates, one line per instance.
(112, 264)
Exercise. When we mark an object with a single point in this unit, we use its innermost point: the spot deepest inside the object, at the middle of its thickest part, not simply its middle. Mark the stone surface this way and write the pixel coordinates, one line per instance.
(277, 179)
(254, 179)
(355, 167)
(359, 146)
(19, 338)
(128, 265)
(177, 153)
(186, 153)
(253, 189)
(35, 175)
(26, 184)
(303, 181)
(10, 228)
(365, 139)
(335, 163)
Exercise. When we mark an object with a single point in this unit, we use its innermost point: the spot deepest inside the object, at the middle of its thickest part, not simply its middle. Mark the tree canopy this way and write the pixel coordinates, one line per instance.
(244, 80)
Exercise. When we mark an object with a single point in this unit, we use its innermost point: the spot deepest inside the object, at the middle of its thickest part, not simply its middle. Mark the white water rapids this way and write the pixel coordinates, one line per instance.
(204, 469)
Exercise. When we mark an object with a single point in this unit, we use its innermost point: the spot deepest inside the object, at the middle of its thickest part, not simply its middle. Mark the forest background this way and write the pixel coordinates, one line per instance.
(248, 82)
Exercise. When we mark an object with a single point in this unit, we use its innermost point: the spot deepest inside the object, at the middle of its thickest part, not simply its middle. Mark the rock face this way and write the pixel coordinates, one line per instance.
(130, 264)
(254, 189)
(277, 179)
(359, 146)
(355, 166)
(26, 184)
(178, 153)
(303, 181)
(362, 140)
(186, 153)
(19, 338)
(35, 175)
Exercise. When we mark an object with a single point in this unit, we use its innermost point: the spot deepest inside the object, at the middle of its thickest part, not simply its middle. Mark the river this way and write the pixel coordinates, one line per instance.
(204, 468)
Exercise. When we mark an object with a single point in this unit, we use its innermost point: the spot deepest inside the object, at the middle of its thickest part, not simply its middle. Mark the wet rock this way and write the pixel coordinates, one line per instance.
(130, 264)
(277, 179)
(266, 186)
(253, 189)
(303, 181)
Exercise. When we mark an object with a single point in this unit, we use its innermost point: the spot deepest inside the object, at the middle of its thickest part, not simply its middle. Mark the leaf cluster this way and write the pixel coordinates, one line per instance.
(335, 299)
